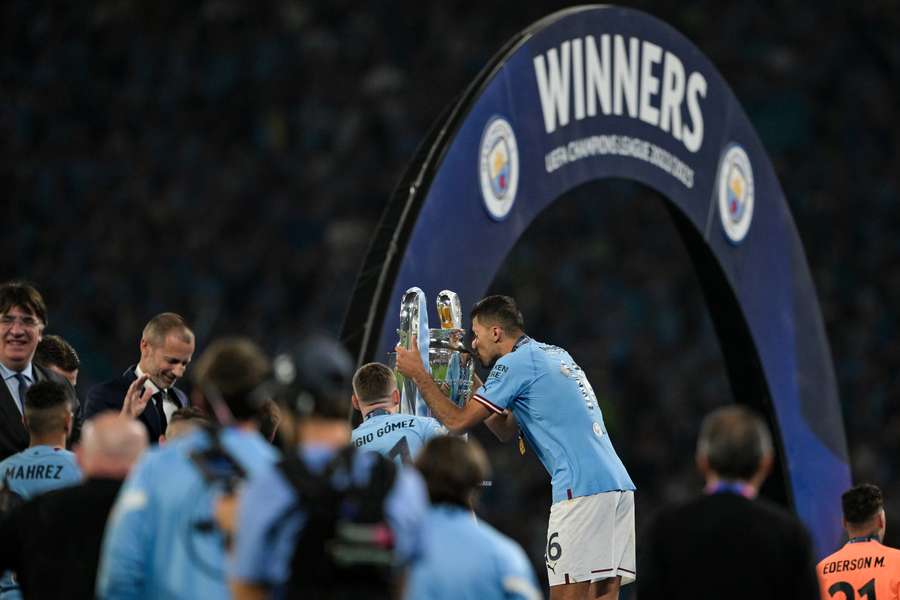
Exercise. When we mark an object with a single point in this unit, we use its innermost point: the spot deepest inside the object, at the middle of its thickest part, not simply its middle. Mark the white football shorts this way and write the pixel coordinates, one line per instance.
(591, 538)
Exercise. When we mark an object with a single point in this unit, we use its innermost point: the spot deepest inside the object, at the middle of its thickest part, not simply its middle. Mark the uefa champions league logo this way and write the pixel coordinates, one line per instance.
(735, 193)
(498, 164)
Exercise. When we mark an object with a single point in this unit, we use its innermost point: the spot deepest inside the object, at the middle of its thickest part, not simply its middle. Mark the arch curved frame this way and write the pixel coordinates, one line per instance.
(597, 92)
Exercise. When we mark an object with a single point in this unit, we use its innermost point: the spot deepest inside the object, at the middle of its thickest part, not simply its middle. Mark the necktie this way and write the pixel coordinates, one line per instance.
(23, 388)
(160, 403)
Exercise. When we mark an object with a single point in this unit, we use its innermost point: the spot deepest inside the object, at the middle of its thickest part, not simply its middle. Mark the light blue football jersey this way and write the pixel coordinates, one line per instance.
(33, 471)
(559, 417)
(399, 437)
(464, 559)
(39, 469)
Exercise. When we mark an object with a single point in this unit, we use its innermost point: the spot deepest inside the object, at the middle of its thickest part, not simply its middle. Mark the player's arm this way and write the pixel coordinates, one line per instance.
(505, 426)
(454, 418)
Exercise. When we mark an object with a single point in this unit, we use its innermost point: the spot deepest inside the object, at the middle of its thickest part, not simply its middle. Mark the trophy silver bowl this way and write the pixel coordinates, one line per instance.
(443, 351)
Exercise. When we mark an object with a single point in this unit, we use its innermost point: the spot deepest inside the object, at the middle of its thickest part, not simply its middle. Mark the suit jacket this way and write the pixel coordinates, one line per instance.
(110, 395)
(13, 435)
(725, 546)
(53, 541)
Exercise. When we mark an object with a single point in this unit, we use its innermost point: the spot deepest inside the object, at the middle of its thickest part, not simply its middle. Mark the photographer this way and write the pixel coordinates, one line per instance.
(161, 540)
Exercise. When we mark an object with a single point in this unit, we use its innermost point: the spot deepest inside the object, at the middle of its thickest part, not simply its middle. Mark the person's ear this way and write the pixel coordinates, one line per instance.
(355, 402)
(395, 397)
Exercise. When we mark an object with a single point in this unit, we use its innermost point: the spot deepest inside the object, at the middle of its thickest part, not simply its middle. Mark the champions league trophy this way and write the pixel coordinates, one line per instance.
(442, 350)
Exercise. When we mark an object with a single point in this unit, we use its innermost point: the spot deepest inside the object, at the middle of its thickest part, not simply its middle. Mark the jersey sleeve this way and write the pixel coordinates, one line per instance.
(504, 384)
(267, 527)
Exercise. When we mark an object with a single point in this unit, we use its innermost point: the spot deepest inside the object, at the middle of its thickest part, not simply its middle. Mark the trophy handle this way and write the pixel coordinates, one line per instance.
(413, 321)
(449, 310)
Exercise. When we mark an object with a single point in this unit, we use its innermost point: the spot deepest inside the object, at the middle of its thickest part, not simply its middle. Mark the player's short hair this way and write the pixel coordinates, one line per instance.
(862, 502)
(233, 368)
(373, 381)
(52, 350)
(734, 440)
(164, 324)
(25, 296)
(453, 469)
(46, 407)
(189, 413)
(501, 311)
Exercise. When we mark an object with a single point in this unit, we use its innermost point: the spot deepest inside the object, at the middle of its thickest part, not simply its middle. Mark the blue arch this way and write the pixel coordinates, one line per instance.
(664, 118)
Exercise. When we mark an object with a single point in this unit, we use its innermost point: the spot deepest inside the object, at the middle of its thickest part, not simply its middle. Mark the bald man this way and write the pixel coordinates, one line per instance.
(53, 542)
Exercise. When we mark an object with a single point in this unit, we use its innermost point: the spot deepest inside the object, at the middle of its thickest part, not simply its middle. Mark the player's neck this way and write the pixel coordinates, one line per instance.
(863, 534)
(54, 440)
(388, 407)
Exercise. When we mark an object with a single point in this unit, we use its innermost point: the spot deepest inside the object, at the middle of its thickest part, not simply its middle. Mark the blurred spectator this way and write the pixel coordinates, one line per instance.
(863, 564)
(327, 522)
(464, 558)
(727, 530)
(53, 541)
(184, 420)
(59, 356)
(161, 540)
(399, 437)
(146, 391)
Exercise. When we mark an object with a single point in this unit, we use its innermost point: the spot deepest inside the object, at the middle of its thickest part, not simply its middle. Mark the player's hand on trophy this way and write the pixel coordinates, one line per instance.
(409, 362)
(136, 398)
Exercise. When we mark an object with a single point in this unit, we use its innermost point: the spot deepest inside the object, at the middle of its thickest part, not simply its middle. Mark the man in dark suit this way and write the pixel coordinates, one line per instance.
(53, 542)
(726, 543)
(23, 316)
(145, 391)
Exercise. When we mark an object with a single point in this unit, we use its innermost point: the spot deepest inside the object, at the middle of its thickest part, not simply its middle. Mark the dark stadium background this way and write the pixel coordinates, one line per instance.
(229, 160)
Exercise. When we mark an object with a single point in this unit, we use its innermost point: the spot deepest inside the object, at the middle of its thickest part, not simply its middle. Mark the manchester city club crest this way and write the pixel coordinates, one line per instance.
(498, 167)
(735, 193)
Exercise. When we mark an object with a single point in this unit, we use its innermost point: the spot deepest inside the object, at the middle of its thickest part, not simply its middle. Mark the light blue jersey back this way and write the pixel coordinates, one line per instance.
(464, 559)
(39, 469)
(31, 472)
(559, 416)
(399, 437)
(160, 540)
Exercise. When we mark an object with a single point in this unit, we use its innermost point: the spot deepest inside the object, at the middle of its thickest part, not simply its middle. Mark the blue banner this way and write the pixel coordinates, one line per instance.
(598, 92)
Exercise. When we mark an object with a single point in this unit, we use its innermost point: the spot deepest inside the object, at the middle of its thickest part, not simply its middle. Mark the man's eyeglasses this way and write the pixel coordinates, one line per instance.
(27, 322)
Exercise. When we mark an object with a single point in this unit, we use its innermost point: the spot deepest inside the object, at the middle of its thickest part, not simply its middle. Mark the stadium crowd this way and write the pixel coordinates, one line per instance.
(230, 163)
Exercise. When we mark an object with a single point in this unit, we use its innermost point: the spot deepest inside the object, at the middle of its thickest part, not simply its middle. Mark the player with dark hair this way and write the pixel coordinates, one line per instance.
(56, 354)
(464, 559)
(161, 540)
(863, 567)
(46, 464)
(383, 430)
(539, 390)
(746, 548)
